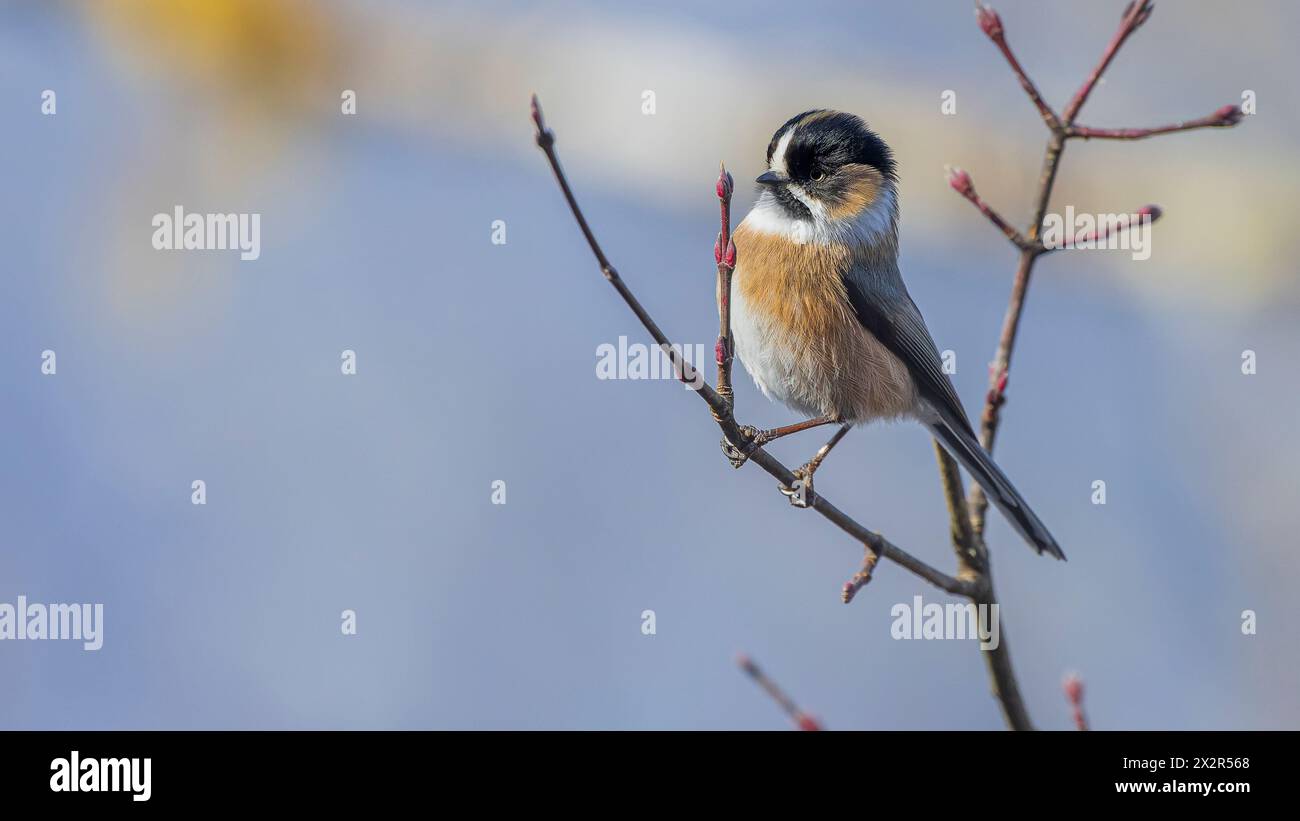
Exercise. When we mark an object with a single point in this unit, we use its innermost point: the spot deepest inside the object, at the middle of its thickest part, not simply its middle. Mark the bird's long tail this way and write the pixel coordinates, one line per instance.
(958, 439)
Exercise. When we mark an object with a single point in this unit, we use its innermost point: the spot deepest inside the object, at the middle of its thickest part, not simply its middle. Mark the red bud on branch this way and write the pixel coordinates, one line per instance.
(961, 182)
(1073, 686)
(725, 184)
(990, 22)
(1229, 115)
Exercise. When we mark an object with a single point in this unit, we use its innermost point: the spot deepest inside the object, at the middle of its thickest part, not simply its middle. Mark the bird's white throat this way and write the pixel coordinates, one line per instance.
(871, 226)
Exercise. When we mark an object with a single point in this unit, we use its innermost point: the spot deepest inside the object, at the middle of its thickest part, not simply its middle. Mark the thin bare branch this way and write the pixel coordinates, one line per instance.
(1146, 215)
(1135, 14)
(999, 375)
(1002, 675)
(961, 183)
(724, 254)
(1225, 117)
(975, 566)
(860, 579)
(991, 24)
(802, 720)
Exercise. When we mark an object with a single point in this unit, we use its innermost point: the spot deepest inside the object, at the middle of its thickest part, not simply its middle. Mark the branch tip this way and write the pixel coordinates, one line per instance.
(989, 21)
(725, 184)
(807, 723)
(802, 720)
(1135, 14)
(960, 181)
(860, 579)
(1143, 13)
(1225, 117)
(535, 109)
(544, 137)
(1073, 687)
(1229, 115)
(1146, 215)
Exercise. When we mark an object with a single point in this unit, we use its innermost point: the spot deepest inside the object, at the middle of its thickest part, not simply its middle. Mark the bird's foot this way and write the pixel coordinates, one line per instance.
(800, 493)
(738, 455)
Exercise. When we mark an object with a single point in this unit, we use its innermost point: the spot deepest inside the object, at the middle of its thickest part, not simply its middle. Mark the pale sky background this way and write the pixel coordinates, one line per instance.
(477, 362)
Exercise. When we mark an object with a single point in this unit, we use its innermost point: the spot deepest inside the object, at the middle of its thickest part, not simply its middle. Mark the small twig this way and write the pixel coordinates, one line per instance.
(1073, 687)
(859, 579)
(961, 183)
(1225, 117)
(1146, 215)
(724, 253)
(801, 720)
(878, 544)
(1135, 14)
(991, 24)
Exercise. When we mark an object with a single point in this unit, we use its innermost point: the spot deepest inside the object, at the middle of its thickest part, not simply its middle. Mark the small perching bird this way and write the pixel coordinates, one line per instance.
(820, 315)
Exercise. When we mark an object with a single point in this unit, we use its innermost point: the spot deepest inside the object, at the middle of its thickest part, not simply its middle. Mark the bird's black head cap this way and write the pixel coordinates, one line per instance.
(823, 141)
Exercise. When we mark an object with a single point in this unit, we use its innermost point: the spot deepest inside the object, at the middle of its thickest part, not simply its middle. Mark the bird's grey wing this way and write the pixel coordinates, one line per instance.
(883, 306)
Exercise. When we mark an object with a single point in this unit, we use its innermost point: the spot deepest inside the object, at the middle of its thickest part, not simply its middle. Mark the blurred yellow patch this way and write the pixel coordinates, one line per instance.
(267, 52)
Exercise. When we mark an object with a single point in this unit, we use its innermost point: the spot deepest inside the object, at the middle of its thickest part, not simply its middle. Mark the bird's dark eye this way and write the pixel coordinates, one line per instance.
(818, 175)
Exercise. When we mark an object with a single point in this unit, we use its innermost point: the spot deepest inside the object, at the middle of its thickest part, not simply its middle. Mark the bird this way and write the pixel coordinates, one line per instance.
(821, 318)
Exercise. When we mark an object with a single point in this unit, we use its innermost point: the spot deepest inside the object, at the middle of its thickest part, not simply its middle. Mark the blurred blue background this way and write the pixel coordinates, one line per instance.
(476, 363)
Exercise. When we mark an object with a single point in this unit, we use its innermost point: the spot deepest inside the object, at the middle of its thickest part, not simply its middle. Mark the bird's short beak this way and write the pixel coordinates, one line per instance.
(770, 178)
